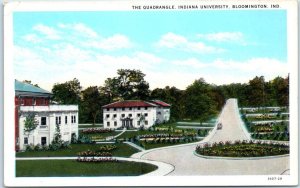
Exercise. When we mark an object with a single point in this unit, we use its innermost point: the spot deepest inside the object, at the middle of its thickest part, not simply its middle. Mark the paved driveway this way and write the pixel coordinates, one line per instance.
(186, 163)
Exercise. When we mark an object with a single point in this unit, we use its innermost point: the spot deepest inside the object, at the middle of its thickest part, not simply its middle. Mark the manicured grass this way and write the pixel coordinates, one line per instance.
(123, 150)
(243, 150)
(71, 168)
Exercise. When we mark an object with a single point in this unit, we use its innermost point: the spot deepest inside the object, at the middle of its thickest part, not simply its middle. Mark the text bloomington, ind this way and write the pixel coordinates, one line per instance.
(190, 7)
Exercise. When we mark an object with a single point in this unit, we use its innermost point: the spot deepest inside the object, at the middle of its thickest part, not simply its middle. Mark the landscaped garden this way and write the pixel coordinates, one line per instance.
(242, 149)
(157, 136)
(273, 125)
(68, 168)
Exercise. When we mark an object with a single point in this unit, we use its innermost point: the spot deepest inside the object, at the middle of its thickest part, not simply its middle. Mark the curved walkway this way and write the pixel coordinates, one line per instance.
(186, 163)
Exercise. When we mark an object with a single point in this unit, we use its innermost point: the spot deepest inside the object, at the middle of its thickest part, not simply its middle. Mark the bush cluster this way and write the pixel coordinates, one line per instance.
(96, 130)
(242, 149)
(107, 148)
(90, 153)
(50, 147)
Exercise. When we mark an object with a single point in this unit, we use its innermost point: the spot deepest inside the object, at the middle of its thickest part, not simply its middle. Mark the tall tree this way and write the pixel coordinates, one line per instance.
(92, 101)
(256, 91)
(30, 123)
(280, 87)
(68, 92)
(129, 84)
(198, 101)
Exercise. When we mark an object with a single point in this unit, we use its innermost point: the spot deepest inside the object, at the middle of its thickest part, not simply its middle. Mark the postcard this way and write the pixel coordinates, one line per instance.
(151, 93)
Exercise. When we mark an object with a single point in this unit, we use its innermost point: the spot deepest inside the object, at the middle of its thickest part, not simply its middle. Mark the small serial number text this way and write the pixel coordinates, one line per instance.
(274, 178)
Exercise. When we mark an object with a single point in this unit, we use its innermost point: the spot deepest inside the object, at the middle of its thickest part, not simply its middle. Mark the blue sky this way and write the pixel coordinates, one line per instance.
(171, 47)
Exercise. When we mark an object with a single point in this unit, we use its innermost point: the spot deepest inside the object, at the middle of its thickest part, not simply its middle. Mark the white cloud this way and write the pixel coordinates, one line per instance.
(114, 42)
(174, 41)
(33, 38)
(232, 37)
(190, 63)
(80, 28)
(49, 32)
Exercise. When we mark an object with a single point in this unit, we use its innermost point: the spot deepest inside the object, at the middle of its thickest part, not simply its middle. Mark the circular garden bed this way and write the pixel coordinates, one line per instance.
(242, 149)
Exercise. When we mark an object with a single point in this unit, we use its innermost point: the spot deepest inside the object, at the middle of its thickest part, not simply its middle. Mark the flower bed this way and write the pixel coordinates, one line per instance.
(154, 136)
(242, 149)
(96, 130)
(90, 153)
(96, 160)
(107, 148)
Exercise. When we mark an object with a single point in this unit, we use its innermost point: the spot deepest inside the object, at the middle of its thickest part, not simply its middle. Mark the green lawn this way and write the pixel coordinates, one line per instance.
(123, 150)
(69, 168)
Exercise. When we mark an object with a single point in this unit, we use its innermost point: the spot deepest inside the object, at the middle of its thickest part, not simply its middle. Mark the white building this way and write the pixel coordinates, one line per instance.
(33, 100)
(135, 114)
(47, 117)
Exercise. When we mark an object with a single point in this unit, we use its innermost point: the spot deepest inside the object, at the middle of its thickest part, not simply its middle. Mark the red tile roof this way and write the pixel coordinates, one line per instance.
(136, 103)
(129, 103)
(161, 103)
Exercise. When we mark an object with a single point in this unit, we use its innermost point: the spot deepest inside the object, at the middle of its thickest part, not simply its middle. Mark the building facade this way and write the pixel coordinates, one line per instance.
(34, 100)
(135, 114)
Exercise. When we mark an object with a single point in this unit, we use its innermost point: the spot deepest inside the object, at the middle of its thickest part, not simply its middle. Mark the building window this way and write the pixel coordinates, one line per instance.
(43, 121)
(115, 109)
(139, 108)
(130, 108)
(123, 115)
(115, 115)
(43, 141)
(73, 119)
(115, 123)
(21, 101)
(138, 115)
(138, 123)
(130, 115)
(108, 124)
(66, 119)
(107, 109)
(58, 120)
(107, 115)
(123, 109)
(146, 122)
(26, 140)
(159, 113)
(146, 114)
(43, 101)
(146, 108)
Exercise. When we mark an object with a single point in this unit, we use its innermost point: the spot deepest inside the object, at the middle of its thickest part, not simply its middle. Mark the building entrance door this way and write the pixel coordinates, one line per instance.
(43, 141)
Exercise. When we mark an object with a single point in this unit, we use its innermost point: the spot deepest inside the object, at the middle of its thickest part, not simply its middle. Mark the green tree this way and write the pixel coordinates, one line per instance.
(280, 88)
(128, 85)
(92, 101)
(256, 92)
(172, 96)
(68, 92)
(198, 101)
(30, 123)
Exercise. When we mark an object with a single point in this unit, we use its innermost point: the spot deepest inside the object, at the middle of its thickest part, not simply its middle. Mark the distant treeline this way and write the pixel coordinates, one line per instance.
(199, 101)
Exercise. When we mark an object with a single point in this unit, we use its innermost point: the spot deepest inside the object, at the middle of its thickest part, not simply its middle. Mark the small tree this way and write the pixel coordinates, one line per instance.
(142, 121)
(57, 135)
(30, 123)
